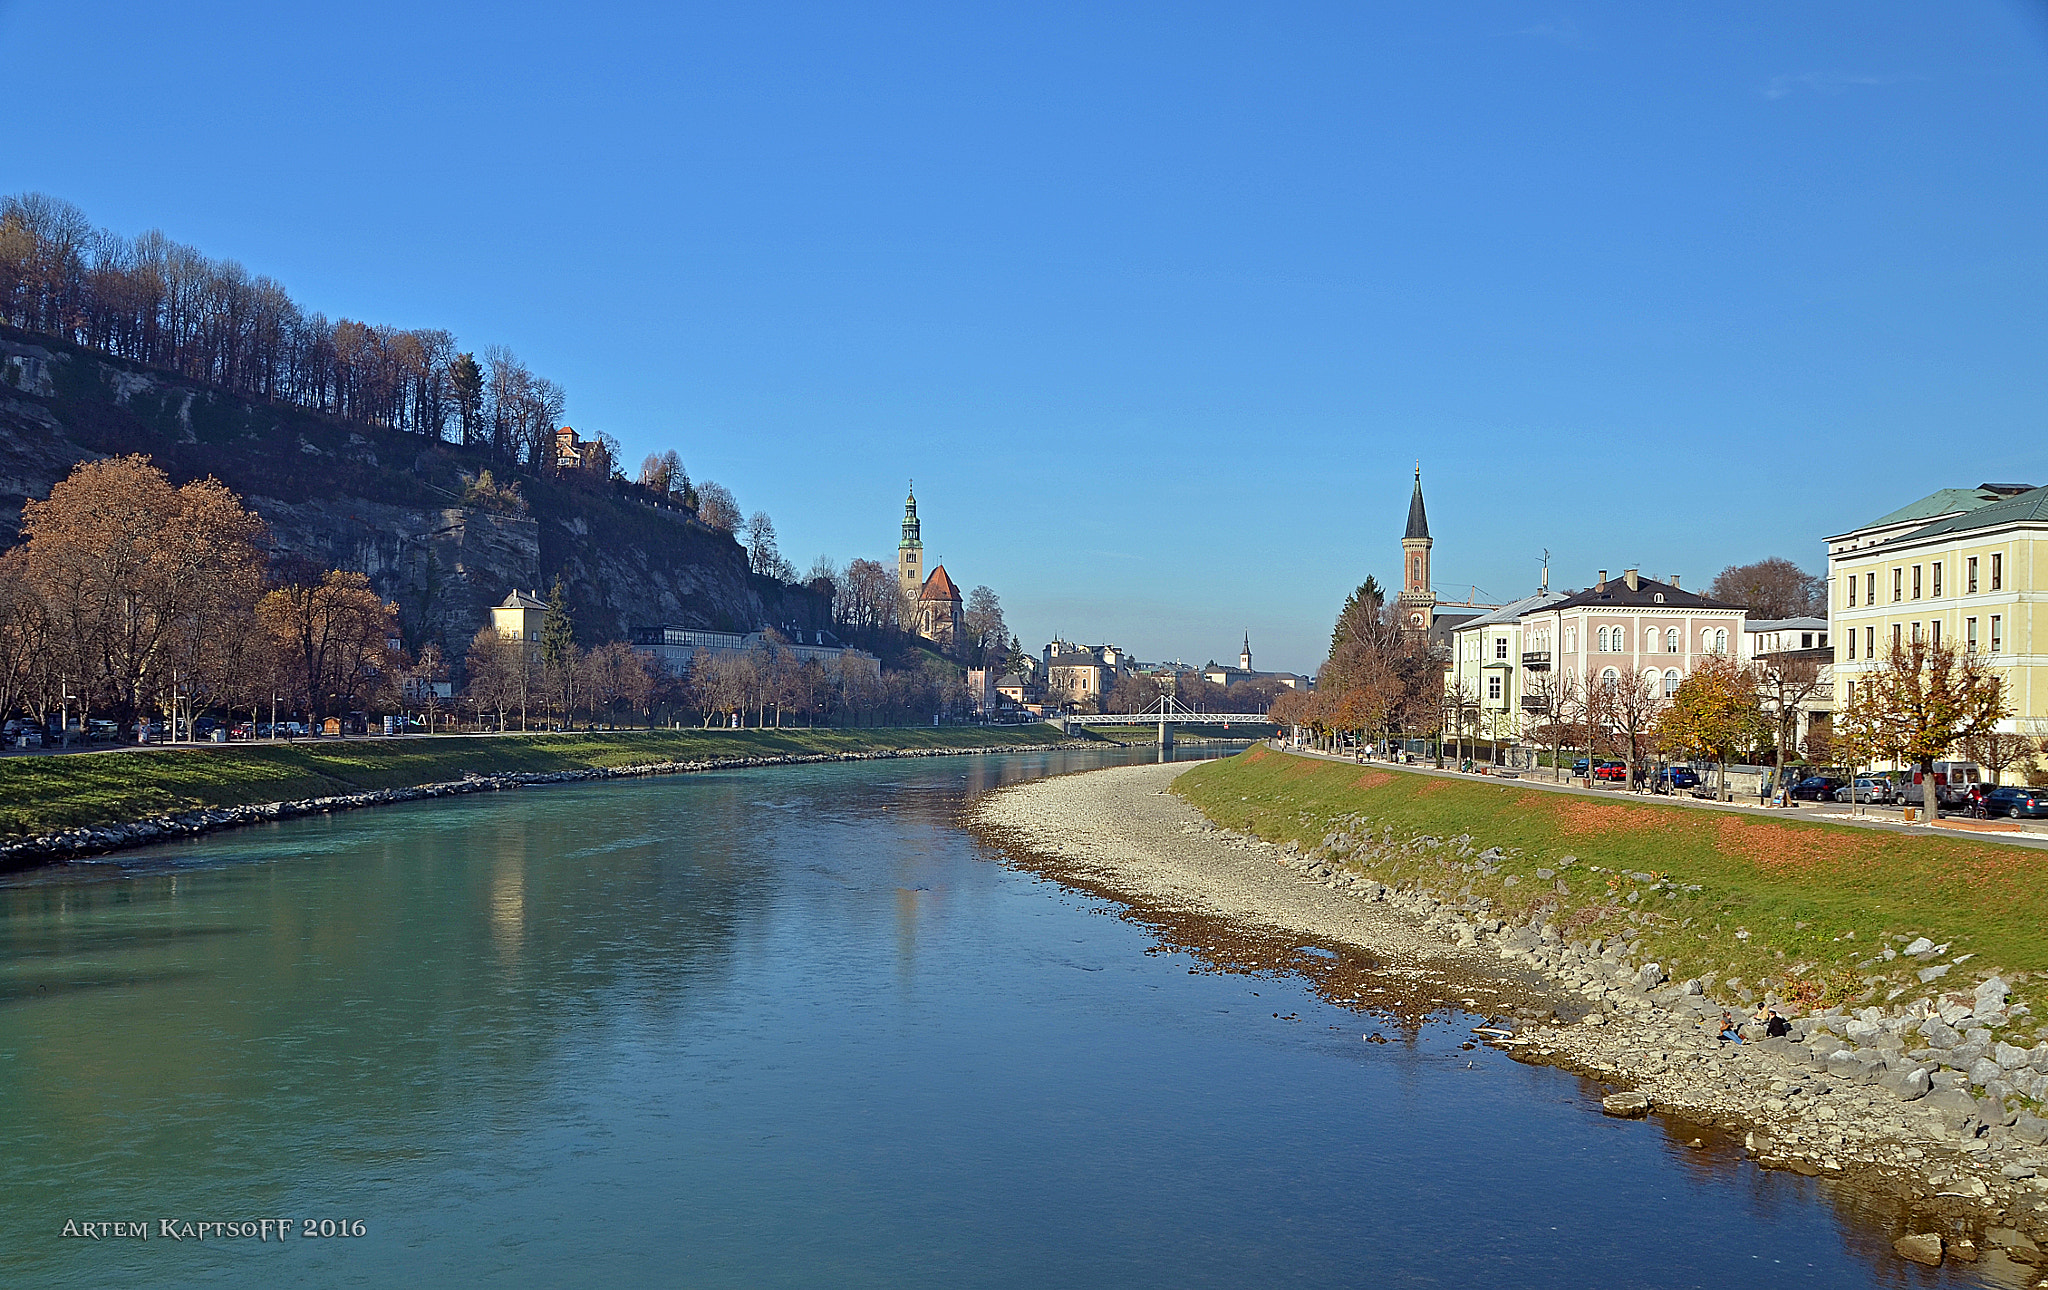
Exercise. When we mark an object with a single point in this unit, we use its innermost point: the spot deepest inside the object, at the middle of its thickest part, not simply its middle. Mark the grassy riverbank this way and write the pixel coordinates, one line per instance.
(1760, 903)
(40, 794)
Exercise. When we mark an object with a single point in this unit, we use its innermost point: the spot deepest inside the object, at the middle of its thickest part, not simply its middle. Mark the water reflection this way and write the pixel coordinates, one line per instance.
(777, 1027)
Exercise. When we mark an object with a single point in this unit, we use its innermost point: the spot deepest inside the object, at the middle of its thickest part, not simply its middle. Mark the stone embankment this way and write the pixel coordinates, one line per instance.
(1931, 1104)
(72, 844)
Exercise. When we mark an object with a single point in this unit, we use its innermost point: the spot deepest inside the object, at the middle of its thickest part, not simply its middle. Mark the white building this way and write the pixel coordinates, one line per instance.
(679, 647)
(1490, 662)
(1631, 626)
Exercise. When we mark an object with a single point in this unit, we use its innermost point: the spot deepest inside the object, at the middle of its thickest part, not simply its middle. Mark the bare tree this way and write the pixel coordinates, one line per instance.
(716, 507)
(1634, 702)
(1784, 684)
(1553, 694)
(1772, 588)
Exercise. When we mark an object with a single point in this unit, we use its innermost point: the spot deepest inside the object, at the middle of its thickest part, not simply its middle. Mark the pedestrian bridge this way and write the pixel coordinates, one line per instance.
(1168, 713)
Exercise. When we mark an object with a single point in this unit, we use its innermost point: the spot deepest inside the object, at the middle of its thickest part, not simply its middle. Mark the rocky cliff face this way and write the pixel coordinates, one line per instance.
(389, 504)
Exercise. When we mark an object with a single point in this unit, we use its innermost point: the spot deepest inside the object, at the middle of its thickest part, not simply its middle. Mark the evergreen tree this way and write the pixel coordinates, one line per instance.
(558, 657)
(1361, 607)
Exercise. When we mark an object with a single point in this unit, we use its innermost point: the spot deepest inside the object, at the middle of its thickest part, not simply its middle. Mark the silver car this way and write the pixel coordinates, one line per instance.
(1865, 790)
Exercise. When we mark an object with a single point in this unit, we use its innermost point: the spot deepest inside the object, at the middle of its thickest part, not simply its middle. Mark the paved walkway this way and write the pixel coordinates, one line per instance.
(2029, 834)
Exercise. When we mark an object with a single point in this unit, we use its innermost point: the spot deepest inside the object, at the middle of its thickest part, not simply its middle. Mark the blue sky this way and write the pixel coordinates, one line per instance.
(1159, 304)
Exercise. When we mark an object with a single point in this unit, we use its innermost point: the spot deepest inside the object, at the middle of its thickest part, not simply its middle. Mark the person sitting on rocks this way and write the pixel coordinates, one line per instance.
(1774, 1025)
(1728, 1030)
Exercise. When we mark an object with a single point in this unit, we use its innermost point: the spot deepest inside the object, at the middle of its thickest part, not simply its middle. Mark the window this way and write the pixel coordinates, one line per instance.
(1721, 641)
(1997, 570)
(1995, 633)
(1671, 640)
(1896, 630)
(1610, 678)
(1415, 572)
(1500, 647)
(1934, 632)
(1969, 635)
(1671, 679)
(1852, 645)
(1898, 582)
(1970, 575)
(1869, 642)
(1852, 590)
(1916, 582)
(1493, 685)
(1870, 587)
(1937, 579)
(1706, 642)
(1806, 640)
(1659, 597)
(1916, 633)
(1571, 640)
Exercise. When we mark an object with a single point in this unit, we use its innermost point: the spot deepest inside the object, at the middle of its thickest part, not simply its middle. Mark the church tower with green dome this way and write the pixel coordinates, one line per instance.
(910, 551)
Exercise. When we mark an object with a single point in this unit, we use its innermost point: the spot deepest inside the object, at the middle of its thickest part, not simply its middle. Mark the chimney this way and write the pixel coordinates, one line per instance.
(1634, 583)
(1601, 585)
(1674, 582)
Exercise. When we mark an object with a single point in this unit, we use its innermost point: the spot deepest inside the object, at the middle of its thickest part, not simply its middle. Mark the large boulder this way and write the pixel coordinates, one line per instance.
(1909, 1085)
(1953, 1106)
(1921, 1247)
(1626, 1106)
(1939, 1033)
(1991, 996)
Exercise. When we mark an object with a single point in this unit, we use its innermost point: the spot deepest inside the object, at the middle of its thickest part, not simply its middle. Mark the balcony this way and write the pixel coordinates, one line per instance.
(1536, 660)
(1535, 703)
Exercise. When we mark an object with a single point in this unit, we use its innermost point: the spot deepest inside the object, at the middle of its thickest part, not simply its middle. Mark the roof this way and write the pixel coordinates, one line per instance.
(517, 599)
(1946, 501)
(1514, 609)
(2028, 507)
(1614, 594)
(1079, 658)
(1787, 625)
(1418, 521)
(939, 586)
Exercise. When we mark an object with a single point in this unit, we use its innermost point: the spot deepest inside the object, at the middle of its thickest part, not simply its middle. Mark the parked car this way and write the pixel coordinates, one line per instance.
(2015, 802)
(1611, 770)
(1815, 788)
(1867, 789)
(1673, 778)
(1579, 768)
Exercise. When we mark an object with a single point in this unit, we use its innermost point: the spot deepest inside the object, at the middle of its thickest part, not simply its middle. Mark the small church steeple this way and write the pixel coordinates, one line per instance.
(910, 551)
(1417, 602)
(1244, 660)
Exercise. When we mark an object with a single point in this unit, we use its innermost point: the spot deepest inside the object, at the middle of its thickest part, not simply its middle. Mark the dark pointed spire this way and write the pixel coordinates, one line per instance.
(1418, 521)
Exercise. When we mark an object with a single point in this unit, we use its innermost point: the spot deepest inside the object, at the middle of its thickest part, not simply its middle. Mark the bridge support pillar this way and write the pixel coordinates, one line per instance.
(1165, 737)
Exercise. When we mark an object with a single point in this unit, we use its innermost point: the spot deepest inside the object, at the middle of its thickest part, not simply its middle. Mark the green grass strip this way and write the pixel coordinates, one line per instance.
(47, 793)
(1819, 902)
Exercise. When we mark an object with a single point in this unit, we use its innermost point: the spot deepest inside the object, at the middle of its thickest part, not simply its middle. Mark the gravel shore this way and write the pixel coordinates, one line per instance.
(1858, 1099)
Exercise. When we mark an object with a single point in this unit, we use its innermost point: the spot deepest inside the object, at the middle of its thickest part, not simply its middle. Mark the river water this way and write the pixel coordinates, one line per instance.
(780, 1027)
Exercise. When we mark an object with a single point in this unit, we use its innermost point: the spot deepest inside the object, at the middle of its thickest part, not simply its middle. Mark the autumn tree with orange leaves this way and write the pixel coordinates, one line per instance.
(138, 585)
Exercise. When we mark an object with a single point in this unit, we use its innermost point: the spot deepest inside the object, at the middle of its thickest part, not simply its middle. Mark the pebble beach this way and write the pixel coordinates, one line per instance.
(1920, 1109)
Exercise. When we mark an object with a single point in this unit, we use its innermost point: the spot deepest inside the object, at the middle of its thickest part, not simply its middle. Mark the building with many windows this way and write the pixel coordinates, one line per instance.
(1960, 566)
(1491, 661)
(1511, 664)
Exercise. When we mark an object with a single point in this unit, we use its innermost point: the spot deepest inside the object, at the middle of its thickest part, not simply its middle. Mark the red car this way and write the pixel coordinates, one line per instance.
(1611, 770)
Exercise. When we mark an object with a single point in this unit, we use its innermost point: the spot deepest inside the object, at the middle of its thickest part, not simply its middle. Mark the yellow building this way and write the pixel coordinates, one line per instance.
(1966, 566)
(520, 617)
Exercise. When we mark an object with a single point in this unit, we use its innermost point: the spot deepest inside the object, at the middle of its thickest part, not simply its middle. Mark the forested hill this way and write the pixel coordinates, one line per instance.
(402, 508)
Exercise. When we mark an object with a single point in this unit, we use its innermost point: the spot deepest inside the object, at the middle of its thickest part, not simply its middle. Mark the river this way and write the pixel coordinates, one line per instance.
(779, 1027)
